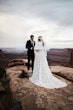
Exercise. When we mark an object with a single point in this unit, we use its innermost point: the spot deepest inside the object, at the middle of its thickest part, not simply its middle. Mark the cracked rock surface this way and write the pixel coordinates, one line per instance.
(34, 97)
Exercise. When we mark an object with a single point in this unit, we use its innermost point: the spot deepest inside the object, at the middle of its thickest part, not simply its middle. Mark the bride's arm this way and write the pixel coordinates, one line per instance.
(37, 47)
(45, 49)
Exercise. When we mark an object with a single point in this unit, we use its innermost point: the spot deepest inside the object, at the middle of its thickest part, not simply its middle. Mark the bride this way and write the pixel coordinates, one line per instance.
(42, 75)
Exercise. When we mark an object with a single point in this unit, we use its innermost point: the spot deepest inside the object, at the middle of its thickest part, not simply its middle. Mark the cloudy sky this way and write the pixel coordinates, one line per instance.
(53, 19)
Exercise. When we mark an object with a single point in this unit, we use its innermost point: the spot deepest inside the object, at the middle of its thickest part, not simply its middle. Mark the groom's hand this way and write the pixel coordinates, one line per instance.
(32, 48)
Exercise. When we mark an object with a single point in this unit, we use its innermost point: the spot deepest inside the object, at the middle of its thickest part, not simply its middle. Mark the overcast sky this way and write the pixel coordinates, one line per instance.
(53, 19)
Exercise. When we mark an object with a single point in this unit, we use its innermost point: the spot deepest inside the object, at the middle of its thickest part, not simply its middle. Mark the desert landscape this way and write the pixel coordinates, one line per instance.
(34, 25)
(18, 93)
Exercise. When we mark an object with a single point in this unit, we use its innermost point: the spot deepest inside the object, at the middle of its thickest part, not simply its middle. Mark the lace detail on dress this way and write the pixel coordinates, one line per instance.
(42, 75)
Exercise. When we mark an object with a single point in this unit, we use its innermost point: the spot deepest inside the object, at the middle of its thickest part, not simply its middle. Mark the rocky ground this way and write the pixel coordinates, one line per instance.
(33, 97)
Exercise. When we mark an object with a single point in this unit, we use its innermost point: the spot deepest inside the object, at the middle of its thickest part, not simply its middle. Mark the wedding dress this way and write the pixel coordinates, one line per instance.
(42, 75)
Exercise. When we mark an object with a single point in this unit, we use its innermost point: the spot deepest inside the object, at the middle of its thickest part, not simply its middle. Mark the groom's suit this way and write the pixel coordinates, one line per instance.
(30, 46)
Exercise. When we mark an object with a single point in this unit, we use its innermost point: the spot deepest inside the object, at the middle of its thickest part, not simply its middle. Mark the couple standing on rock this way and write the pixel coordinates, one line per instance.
(42, 75)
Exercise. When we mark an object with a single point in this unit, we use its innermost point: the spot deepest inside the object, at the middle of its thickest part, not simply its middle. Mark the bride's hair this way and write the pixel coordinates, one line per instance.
(40, 39)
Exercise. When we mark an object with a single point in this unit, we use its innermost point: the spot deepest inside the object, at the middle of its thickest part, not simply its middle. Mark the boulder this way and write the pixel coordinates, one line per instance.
(65, 72)
(15, 62)
(2, 73)
(1, 88)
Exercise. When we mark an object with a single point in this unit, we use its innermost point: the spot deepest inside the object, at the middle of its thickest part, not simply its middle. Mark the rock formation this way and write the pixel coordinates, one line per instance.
(60, 57)
(1, 54)
(15, 62)
(34, 97)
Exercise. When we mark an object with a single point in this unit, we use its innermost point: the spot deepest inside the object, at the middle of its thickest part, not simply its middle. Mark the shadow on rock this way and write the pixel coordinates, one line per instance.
(6, 97)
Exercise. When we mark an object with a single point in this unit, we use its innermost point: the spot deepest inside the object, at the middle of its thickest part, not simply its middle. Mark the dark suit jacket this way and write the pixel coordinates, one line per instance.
(28, 46)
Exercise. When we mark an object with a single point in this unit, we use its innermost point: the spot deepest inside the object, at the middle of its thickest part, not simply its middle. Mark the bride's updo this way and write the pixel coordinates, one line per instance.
(40, 39)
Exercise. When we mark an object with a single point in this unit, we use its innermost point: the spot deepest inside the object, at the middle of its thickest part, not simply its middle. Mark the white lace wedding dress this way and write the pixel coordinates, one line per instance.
(42, 75)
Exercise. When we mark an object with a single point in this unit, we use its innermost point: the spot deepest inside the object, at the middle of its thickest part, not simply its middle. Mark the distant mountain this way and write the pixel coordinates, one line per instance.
(1, 54)
(13, 50)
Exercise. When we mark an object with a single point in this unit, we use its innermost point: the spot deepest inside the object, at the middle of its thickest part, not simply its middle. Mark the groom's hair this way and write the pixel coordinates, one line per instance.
(31, 36)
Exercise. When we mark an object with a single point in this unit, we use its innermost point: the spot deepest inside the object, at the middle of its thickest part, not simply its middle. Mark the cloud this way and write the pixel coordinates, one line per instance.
(15, 29)
(53, 19)
(60, 11)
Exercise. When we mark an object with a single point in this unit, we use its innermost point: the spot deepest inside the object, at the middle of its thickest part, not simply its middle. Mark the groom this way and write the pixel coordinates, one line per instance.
(30, 46)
